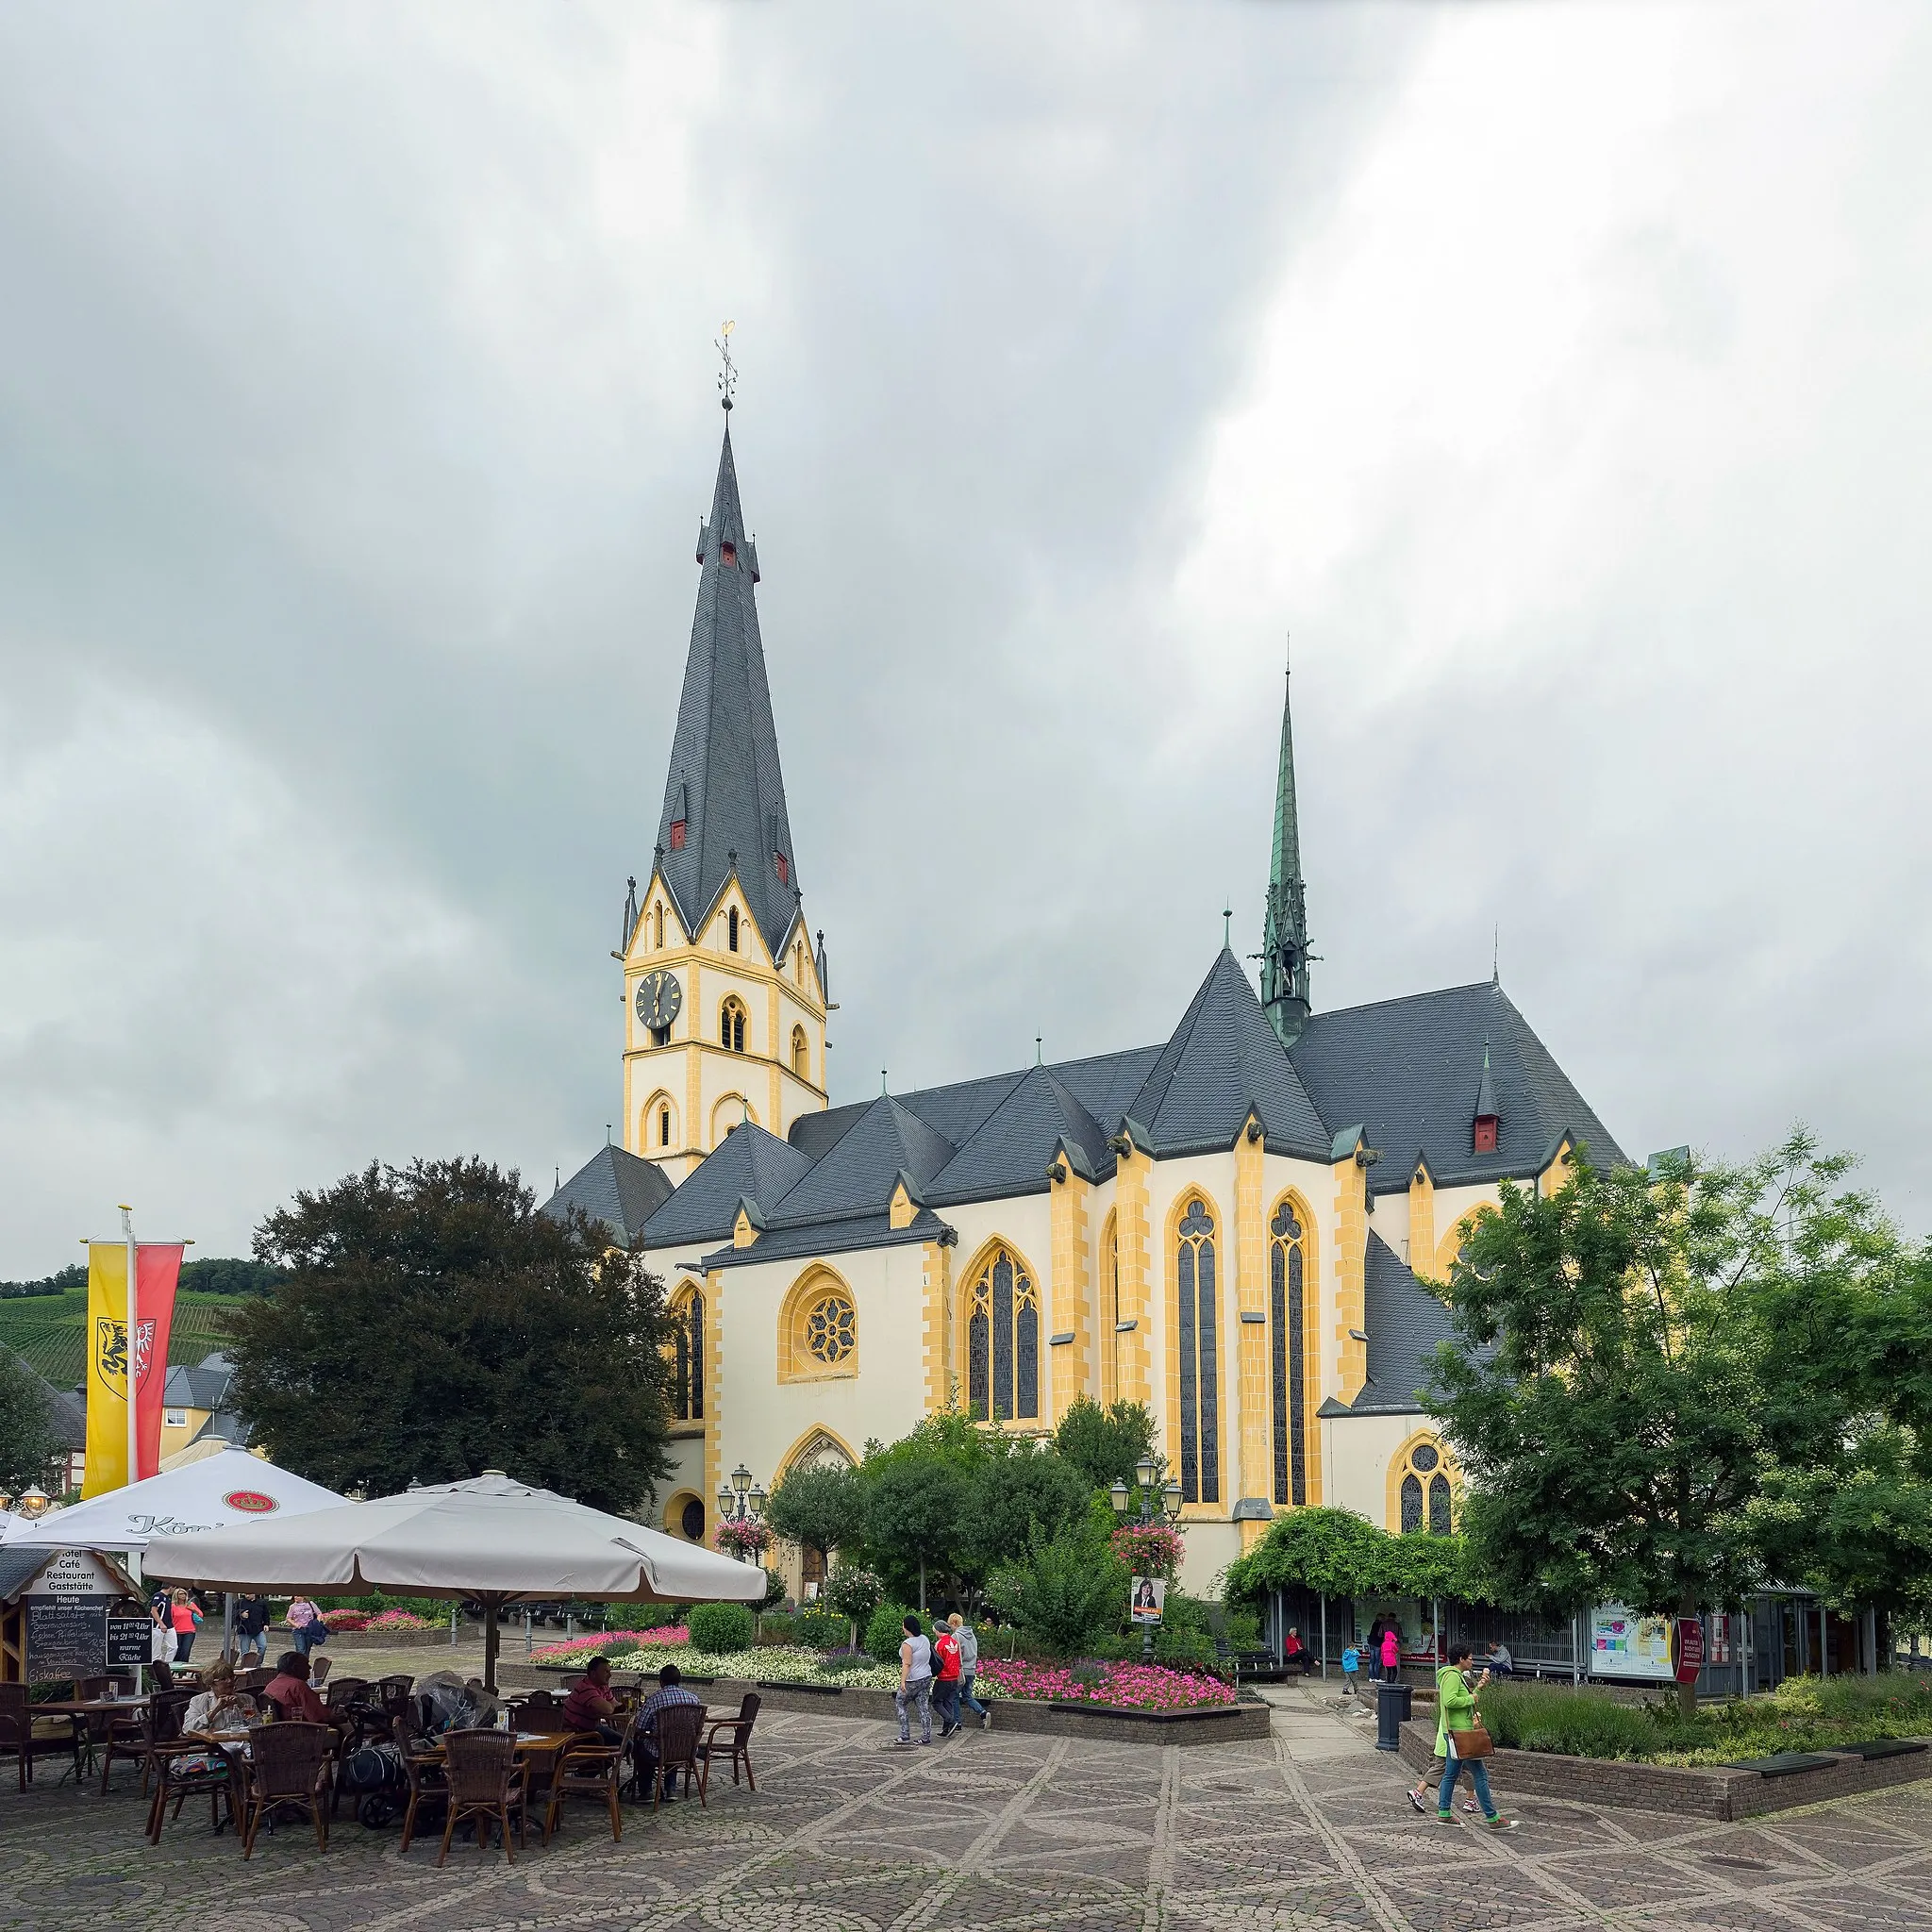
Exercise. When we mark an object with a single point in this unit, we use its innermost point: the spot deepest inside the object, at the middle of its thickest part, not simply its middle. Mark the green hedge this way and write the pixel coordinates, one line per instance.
(720, 1628)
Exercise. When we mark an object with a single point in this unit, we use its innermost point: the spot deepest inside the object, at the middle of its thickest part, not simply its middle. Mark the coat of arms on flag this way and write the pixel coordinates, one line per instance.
(111, 1353)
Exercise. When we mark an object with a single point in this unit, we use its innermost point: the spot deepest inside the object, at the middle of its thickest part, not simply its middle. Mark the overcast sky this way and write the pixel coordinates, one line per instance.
(1558, 375)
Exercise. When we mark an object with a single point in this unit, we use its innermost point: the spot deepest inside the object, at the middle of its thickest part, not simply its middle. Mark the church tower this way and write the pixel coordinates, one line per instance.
(724, 998)
(1285, 931)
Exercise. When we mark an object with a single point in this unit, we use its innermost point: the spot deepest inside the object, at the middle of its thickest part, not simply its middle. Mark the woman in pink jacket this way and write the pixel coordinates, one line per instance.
(1391, 1656)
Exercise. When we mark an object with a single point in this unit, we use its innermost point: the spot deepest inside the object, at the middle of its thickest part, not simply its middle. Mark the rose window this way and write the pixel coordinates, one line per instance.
(828, 1330)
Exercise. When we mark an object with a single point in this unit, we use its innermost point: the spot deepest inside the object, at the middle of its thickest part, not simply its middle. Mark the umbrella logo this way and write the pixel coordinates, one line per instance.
(250, 1501)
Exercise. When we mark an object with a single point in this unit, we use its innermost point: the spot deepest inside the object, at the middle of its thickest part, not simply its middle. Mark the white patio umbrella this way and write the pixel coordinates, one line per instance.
(234, 1486)
(489, 1539)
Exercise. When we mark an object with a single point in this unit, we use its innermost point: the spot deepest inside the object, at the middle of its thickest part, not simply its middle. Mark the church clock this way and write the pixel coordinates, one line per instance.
(659, 1000)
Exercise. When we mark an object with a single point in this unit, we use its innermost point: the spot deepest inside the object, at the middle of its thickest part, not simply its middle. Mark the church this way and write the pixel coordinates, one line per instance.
(1227, 1225)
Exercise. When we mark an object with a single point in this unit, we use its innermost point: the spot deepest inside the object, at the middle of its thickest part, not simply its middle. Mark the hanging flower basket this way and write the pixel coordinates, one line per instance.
(1150, 1549)
(747, 1542)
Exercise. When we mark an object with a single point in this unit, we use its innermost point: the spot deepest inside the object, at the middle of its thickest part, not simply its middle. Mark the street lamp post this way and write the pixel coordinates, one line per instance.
(740, 1499)
(1144, 1473)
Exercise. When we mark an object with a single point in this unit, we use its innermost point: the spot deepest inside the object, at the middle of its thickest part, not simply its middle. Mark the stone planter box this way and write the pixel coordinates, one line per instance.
(373, 1639)
(1716, 1791)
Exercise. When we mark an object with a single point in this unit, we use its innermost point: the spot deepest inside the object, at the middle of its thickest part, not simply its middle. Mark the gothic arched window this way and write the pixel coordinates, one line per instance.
(1425, 1493)
(731, 1024)
(731, 928)
(1200, 1377)
(658, 923)
(663, 1127)
(1287, 1270)
(1003, 1342)
(688, 1359)
(800, 1054)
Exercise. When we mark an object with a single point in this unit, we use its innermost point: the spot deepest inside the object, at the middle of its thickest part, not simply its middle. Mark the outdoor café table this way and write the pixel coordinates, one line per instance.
(76, 1710)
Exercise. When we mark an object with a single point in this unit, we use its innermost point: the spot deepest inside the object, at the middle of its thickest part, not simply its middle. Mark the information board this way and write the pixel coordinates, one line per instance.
(130, 1642)
(1625, 1645)
(65, 1639)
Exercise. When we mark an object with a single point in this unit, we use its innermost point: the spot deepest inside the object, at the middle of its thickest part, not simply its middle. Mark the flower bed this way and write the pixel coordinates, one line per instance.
(399, 1619)
(1117, 1686)
(767, 1663)
(609, 1643)
(346, 1620)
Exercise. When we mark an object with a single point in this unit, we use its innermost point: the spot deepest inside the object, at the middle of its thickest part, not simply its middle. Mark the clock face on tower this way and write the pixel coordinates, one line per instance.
(659, 999)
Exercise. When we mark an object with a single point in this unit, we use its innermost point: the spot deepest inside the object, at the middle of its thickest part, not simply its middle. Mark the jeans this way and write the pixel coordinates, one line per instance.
(184, 1644)
(247, 1642)
(1478, 1776)
(966, 1696)
(308, 1636)
(917, 1693)
(945, 1694)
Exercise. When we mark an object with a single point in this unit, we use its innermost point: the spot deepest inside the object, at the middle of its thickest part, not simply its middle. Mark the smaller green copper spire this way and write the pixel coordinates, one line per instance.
(1285, 932)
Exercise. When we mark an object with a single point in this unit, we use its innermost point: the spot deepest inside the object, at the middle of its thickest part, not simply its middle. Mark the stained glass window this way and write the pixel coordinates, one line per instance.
(1003, 1342)
(1439, 1506)
(1412, 1504)
(1286, 1268)
(829, 1329)
(1200, 1378)
(688, 1360)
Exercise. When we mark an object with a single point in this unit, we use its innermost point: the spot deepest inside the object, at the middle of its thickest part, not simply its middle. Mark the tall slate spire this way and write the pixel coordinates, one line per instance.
(1284, 931)
(724, 793)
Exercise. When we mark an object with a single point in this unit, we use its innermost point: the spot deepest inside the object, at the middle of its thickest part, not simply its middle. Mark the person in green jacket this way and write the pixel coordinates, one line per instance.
(1456, 1712)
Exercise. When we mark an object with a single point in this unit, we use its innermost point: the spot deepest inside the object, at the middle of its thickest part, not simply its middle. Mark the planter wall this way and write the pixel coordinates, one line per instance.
(370, 1639)
(1714, 1791)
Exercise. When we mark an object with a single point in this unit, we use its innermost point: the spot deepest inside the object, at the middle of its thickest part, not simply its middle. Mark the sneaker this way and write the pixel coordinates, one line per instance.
(902, 1740)
(1415, 1798)
(1445, 1818)
(924, 1740)
(1471, 1805)
(1501, 1824)
(986, 1720)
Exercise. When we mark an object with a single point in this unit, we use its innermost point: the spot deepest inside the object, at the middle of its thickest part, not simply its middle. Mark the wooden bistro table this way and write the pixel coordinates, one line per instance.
(76, 1710)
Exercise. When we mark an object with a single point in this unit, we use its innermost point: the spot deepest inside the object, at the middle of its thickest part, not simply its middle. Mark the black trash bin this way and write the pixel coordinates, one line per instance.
(1392, 1710)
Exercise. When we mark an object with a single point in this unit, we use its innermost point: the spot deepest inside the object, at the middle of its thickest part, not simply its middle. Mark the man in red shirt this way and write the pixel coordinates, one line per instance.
(589, 1705)
(945, 1677)
(290, 1691)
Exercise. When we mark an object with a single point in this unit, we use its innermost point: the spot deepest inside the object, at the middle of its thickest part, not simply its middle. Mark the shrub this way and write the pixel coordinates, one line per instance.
(775, 1589)
(1072, 1590)
(1578, 1723)
(843, 1663)
(721, 1626)
(854, 1592)
(885, 1631)
(823, 1629)
(774, 1627)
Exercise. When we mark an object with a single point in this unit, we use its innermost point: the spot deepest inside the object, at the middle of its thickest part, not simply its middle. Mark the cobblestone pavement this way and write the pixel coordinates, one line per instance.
(846, 1833)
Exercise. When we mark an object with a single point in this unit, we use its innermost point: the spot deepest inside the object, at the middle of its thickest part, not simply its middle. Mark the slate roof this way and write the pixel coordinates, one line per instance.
(1224, 1062)
(18, 1568)
(616, 1188)
(1010, 1153)
(66, 1408)
(1406, 1323)
(748, 1163)
(1408, 1070)
(841, 1236)
(886, 1140)
(724, 779)
(202, 1387)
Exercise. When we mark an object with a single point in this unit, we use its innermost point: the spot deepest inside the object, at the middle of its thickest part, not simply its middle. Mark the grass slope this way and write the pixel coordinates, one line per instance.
(51, 1331)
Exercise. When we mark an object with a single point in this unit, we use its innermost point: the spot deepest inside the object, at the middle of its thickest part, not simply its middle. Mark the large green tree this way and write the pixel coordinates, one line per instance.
(1105, 1442)
(432, 1325)
(819, 1506)
(28, 1442)
(1012, 1499)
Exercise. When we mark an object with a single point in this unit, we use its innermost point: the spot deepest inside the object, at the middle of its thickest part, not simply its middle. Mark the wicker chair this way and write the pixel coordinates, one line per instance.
(20, 1737)
(158, 1726)
(319, 1668)
(485, 1783)
(428, 1778)
(674, 1738)
(731, 1735)
(180, 1772)
(340, 1691)
(289, 1765)
(590, 1770)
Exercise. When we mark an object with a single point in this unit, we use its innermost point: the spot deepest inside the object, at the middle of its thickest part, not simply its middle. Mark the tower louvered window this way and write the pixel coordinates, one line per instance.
(1286, 1268)
(731, 1025)
(1200, 1377)
(1003, 1342)
(688, 1360)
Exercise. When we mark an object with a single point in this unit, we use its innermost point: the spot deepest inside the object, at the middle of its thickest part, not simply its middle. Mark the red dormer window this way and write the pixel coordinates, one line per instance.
(728, 554)
(1486, 1133)
(782, 868)
(677, 835)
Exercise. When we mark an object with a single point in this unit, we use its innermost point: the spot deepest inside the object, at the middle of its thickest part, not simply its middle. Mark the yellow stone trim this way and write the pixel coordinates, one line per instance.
(901, 1210)
(1070, 1302)
(1251, 1280)
(806, 1441)
(743, 1233)
(1451, 1245)
(1171, 1285)
(796, 1363)
(1351, 1276)
(1133, 1352)
(694, 1062)
(968, 1278)
(1550, 1182)
(673, 1509)
(936, 1283)
(1422, 1221)
(1400, 1466)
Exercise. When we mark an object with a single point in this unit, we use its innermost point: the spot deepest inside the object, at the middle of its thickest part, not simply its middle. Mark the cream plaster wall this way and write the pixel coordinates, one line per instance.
(1358, 1449)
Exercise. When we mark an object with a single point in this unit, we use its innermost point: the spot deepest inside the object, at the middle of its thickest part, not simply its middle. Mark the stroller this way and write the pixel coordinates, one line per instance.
(373, 1775)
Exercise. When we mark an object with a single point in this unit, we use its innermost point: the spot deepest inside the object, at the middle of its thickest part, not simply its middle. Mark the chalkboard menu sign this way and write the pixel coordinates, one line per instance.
(65, 1639)
(130, 1642)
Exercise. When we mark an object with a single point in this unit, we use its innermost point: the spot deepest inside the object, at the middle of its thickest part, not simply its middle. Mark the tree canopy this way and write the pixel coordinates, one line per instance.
(819, 1506)
(432, 1325)
(1104, 1443)
(28, 1442)
(1337, 1553)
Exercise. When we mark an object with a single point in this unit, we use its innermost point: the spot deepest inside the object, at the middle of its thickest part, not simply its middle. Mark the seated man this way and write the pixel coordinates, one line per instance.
(589, 1705)
(669, 1691)
(290, 1693)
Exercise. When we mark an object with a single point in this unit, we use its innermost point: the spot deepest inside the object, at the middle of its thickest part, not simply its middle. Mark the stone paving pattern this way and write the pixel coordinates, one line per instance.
(848, 1833)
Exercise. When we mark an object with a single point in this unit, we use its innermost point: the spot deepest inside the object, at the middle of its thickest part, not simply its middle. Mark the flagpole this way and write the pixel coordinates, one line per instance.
(133, 1344)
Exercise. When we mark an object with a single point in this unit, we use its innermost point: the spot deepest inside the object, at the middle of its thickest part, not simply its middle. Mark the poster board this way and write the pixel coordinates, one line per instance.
(65, 1638)
(1145, 1598)
(1623, 1645)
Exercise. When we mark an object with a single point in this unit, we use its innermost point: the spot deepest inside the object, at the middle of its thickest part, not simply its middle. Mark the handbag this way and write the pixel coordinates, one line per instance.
(1473, 1742)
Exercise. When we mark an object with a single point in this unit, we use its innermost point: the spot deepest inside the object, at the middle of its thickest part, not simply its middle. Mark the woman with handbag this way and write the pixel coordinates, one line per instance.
(1460, 1740)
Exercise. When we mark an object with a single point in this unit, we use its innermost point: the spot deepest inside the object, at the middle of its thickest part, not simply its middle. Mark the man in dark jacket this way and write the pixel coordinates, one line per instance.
(251, 1629)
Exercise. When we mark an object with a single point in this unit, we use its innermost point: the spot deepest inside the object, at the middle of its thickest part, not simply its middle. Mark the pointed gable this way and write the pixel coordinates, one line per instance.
(1222, 1062)
(748, 1164)
(1009, 1152)
(723, 791)
(858, 1174)
(615, 1188)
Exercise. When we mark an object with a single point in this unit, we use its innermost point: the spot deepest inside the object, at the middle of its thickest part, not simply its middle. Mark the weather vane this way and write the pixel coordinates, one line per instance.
(727, 378)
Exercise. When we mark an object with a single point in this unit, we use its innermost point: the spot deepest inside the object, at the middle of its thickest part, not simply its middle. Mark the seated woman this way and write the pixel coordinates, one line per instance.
(218, 1706)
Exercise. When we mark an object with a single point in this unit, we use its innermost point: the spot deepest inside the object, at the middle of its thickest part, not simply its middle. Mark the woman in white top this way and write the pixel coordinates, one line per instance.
(915, 1683)
(218, 1706)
